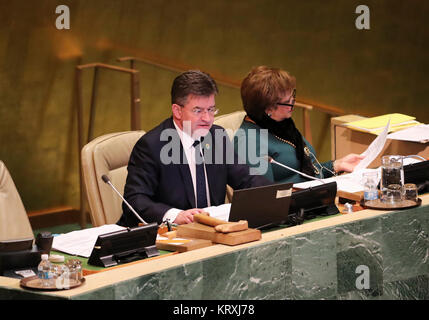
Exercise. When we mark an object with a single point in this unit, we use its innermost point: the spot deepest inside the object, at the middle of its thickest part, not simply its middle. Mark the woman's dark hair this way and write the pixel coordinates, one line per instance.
(192, 82)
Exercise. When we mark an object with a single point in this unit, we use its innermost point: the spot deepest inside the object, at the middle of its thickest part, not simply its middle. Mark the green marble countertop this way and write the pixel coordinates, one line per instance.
(89, 267)
(84, 260)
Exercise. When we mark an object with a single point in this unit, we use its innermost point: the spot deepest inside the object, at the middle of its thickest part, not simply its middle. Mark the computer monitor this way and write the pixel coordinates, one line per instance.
(312, 202)
(17, 255)
(16, 245)
(262, 207)
(125, 246)
(418, 173)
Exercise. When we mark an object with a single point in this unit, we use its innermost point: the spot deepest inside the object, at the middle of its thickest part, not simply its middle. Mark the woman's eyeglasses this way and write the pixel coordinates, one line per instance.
(286, 104)
(291, 105)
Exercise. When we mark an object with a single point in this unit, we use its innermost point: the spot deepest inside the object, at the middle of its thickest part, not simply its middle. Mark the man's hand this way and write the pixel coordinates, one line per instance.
(347, 163)
(187, 216)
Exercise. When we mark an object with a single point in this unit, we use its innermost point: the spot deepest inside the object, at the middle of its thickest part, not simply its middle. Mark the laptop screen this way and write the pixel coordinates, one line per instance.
(264, 206)
(418, 173)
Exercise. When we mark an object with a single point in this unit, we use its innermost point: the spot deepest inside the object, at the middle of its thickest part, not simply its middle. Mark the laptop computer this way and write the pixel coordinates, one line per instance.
(263, 206)
(418, 173)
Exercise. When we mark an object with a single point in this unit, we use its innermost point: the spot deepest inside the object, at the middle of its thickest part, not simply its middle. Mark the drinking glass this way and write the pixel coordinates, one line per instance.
(410, 192)
(394, 193)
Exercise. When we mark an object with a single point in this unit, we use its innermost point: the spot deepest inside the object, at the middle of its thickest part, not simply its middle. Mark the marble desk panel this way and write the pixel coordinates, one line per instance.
(369, 254)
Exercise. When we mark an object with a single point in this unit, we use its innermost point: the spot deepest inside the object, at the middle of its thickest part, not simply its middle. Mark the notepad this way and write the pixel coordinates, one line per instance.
(376, 125)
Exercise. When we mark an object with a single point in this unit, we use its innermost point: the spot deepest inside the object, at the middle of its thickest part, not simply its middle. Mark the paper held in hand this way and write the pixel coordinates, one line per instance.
(352, 182)
(373, 150)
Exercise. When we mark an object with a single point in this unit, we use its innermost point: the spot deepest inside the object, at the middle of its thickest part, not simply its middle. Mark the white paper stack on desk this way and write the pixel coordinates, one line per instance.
(419, 133)
(350, 182)
(81, 242)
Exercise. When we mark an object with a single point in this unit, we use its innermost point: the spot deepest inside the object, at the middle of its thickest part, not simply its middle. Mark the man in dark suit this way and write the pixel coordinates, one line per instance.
(184, 164)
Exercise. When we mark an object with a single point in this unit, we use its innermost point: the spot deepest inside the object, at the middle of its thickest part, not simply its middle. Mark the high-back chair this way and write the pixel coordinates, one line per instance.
(231, 122)
(108, 154)
(14, 222)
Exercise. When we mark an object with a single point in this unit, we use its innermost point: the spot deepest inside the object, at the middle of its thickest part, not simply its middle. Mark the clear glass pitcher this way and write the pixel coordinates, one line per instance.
(392, 173)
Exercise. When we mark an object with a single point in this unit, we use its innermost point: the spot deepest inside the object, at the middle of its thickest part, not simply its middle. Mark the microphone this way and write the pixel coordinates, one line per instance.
(107, 180)
(271, 160)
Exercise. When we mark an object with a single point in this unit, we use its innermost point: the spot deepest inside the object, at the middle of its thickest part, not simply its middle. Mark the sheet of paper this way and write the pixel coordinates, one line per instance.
(411, 160)
(25, 273)
(162, 238)
(418, 133)
(174, 241)
(219, 212)
(351, 182)
(345, 182)
(373, 150)
(81, 242)
(308, 184)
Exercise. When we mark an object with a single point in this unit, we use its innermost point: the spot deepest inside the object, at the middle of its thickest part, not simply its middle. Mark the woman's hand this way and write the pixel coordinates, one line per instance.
(347, 163)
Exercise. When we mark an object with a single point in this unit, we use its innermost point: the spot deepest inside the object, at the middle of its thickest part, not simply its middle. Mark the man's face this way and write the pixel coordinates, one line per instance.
(196, 116)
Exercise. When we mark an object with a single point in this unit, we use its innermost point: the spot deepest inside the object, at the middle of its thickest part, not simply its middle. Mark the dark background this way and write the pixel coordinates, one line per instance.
(366, 72)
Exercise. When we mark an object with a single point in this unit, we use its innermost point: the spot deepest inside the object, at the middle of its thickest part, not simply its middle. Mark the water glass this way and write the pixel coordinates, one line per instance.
(410, 192)
(394, 193)
(75, 269)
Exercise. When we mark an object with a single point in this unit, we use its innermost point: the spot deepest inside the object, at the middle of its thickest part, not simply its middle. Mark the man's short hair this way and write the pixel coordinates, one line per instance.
(192, 82)
(263, 87)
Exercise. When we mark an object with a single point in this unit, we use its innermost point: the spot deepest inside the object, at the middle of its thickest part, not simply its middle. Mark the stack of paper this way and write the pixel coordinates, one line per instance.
(220, 212)
(350, 182)
(81, 242)
(376, 125)
(418, 133)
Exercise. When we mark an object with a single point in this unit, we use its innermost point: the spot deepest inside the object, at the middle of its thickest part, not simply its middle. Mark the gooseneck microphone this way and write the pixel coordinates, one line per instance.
(107, 180)
(271, 160)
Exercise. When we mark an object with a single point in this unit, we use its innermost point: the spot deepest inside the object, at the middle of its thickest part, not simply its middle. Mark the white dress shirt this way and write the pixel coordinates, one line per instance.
(187, 143)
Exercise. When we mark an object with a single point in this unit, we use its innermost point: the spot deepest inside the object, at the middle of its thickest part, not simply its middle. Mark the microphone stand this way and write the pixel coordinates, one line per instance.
(106, 180)
(271, 160)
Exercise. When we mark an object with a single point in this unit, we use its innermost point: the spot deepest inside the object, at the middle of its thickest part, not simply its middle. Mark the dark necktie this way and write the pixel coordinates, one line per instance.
(200, 177)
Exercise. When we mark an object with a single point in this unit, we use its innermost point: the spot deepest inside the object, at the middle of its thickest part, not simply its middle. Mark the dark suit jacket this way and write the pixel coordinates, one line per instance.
(152, 188)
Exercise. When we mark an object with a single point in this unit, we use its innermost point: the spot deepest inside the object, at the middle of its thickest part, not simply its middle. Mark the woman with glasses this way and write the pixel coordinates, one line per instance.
(268, 96)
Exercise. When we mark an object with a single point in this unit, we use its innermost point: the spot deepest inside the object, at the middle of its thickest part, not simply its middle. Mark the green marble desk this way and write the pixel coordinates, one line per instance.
(316, 260)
